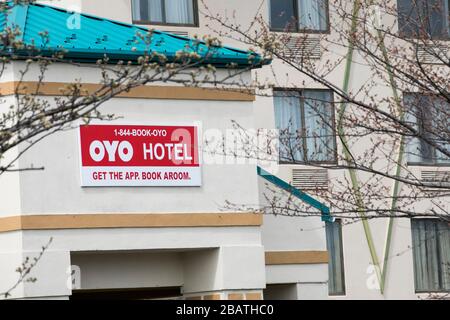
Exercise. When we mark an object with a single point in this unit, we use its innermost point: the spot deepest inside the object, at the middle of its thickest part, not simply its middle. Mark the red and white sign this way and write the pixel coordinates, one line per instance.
(153, 156)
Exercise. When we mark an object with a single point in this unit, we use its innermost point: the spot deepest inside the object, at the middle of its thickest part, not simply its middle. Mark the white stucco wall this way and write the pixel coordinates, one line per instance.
(57, 190)
(10, 181)
(195, 259)
(278, 233)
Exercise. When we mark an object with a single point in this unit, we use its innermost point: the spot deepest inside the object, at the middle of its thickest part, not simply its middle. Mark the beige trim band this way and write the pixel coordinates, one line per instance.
(142, 92)
(296, 257)
(101, 221)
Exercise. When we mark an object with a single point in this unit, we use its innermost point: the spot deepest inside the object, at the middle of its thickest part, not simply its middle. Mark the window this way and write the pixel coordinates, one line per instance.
(305, 120)
(299, 15)
(169, 12)
(424, 18)
(336, 281)
(431, 118)
(431, 252)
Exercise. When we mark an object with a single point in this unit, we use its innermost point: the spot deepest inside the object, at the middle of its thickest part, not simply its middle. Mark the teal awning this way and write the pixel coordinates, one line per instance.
(97, 37)
(302, 196)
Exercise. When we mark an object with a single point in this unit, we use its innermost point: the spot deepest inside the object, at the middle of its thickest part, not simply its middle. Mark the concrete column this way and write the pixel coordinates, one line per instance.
(225, 273)
(298, 281)
(312, 291)
(48, 285)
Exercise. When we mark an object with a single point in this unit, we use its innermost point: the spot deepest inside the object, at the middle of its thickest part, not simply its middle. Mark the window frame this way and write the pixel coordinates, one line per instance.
(415, 37)
(303, 123)
(434, 163)
(341, 253)
(297, 29)
(190, 25)
(414, 262)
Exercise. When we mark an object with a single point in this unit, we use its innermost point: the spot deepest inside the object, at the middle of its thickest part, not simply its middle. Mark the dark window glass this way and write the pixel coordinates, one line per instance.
(305, 120)
(282, 14)
(431, 118)
(336, 277)
(431, 252)
(424, 18)
(299, 15)
(164, 11)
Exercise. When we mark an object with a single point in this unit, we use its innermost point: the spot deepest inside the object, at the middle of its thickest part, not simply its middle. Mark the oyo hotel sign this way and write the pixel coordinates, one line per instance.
(139, 156)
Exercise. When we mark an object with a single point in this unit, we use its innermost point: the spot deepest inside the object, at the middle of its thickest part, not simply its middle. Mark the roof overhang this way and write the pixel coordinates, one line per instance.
(96, 38)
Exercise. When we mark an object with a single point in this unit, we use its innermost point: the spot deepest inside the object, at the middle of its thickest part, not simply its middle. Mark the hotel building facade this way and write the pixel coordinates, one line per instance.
(181, 240)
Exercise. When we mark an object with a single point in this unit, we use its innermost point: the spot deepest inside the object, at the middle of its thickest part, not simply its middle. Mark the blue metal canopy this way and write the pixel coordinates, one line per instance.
(48, 30)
